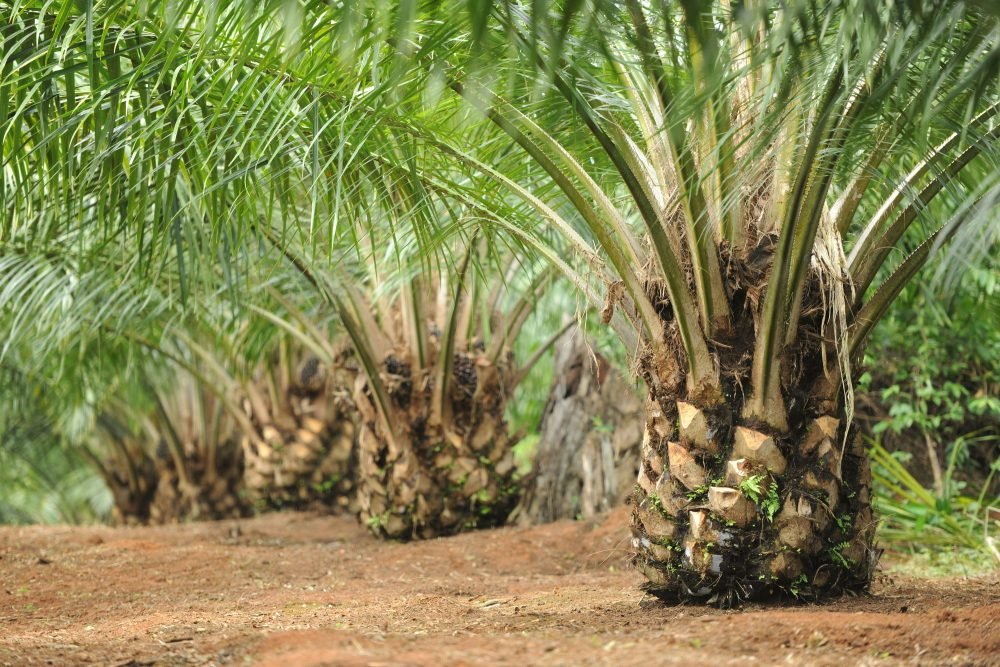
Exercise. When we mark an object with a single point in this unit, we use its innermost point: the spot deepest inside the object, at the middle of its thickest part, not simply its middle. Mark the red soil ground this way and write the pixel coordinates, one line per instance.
(298, 589)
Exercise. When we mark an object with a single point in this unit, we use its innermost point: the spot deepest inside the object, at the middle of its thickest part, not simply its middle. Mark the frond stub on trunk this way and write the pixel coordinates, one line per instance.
(684, 467)
(695, 428)
(759, 448)
(731, 505)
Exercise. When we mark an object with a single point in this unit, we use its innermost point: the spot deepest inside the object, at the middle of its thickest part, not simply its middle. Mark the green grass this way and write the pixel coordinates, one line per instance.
(940, 562)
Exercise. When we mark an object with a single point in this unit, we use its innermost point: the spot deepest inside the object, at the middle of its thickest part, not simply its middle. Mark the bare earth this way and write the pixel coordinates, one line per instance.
(299, 589)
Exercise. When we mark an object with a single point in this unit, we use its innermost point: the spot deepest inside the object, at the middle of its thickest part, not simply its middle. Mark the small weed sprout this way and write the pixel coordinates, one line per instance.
(751, 488)
(657, 504)
(600, 426)
(697, 492)
(796, 586)
(772, 503)
(838, 557)
(769, 503)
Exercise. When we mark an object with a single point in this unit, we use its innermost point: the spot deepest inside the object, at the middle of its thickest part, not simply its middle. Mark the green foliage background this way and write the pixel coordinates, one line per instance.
(933, 375)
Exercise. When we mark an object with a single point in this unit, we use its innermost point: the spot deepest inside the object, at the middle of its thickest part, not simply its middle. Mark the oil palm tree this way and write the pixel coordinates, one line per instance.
(284, 394)
(80, 340)
(216, 440)
(435, 371)
(751, 173)
(179, 461)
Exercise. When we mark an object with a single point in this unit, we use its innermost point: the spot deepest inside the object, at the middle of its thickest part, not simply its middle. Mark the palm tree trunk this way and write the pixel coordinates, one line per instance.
(431, 479)
(304, 458)
(727, 508)
(207, 493)
(744, 512)
(147, 488)
(131, 477)
(588, 447)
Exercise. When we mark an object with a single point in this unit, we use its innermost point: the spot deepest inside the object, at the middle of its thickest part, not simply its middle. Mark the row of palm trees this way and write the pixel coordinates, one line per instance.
(741, 189)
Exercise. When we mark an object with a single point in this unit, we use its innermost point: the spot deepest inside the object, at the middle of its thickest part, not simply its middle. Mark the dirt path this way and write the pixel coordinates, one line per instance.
(296, 589)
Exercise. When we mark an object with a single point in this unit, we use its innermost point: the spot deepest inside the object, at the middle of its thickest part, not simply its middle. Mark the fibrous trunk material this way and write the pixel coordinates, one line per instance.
(209, 489)
(588, 447)
(426, 479)
(155, 491)
(304, 456)
(727, 508)
(132, 484)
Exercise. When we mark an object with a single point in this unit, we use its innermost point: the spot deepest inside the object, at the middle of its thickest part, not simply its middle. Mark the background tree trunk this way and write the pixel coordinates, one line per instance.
(588, 448)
